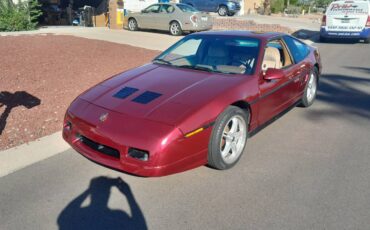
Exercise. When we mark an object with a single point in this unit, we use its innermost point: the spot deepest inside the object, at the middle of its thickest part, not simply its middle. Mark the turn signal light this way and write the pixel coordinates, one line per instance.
(194, 19)
(68, 126)
(138, 154)
(194, 132)
(323, 21)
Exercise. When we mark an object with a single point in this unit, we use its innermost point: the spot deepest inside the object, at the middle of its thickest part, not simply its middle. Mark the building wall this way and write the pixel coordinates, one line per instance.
(138, 5)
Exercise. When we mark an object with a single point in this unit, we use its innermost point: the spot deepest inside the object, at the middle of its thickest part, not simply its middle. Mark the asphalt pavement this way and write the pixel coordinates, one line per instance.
(309, 169)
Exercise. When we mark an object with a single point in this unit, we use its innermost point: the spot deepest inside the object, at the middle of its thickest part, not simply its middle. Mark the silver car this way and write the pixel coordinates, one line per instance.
(174, 17)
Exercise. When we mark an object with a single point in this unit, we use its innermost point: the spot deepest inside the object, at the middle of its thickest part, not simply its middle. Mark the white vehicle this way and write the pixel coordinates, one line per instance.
(346, 19)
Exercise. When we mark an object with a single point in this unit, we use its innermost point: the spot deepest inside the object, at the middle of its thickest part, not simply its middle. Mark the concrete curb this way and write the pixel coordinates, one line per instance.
(19, 157)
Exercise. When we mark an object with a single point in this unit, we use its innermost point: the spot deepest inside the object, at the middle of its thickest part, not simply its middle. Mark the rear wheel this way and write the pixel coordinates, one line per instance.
(223, 11)
(175, 29)
(228, 139)
(310, 90)
(132, 24)
(230, 14)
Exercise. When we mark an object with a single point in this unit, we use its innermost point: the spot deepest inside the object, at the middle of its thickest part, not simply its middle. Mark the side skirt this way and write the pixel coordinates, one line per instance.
(276, 117)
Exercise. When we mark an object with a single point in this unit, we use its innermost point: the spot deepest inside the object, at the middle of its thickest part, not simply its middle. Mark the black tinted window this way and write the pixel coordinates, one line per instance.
(298, 49)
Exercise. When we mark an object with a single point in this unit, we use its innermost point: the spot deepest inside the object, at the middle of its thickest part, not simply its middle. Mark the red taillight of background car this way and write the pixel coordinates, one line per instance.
(323, 21)
(194, 19)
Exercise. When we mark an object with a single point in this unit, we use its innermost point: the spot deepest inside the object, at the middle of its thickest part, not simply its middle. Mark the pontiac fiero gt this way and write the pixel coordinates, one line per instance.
(195, 104)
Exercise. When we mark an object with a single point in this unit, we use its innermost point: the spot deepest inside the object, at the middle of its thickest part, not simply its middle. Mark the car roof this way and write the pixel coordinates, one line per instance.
(244, 33)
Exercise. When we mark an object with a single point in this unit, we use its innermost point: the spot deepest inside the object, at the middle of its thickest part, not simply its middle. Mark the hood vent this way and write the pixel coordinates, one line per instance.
(125, 92)
(146, 97)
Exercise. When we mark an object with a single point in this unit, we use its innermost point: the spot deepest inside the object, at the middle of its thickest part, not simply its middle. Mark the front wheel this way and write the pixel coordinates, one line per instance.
(132, 24)
(228, 139)
(175, 29)
(223, 11)
(310, 90)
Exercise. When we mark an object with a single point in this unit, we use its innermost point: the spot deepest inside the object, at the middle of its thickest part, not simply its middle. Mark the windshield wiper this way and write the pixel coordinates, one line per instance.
(197, 67)
(203, 68)
(162, 61)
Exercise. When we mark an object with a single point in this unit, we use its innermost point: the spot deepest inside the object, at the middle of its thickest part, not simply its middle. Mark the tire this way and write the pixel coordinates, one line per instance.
(367, 40)
(223, 11)
(226, 146)
(323, 39)
(175, 29)
(132, 24)
(230, 14)
(310, 90)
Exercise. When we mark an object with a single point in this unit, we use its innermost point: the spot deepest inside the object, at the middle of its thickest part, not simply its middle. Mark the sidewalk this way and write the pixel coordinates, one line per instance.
(143, 39)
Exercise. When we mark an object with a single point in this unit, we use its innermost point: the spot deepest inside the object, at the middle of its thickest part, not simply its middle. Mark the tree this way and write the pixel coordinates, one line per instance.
(17, 17)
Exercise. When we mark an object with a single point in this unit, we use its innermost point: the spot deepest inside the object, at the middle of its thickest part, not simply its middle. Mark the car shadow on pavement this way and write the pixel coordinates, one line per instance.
(307, 35)
(12, 100)
(345, 94)
(97, 215)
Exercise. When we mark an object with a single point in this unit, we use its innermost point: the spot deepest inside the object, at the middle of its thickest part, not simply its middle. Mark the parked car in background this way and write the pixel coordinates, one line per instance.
(346, 19)
(175, 17)
(222, 7)
(195, 104)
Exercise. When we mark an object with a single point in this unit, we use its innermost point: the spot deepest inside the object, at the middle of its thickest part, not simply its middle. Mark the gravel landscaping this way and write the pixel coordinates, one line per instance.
(41, 74)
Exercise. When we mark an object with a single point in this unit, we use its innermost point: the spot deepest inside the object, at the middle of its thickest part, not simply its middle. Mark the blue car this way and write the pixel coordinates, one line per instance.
(222, 7)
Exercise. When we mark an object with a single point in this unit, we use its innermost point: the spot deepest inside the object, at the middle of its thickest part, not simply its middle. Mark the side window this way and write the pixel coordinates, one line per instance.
(276, 55)
(167, 9)
(153, 9)
(298, 49)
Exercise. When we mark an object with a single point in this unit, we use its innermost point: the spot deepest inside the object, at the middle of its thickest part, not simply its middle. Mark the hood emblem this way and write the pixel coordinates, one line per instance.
(103, 117)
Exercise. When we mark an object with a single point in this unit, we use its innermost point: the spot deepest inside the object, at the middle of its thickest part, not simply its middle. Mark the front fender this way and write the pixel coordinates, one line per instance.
(210, 110)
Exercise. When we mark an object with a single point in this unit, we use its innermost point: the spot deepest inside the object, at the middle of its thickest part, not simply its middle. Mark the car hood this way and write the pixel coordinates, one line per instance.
(174, 93)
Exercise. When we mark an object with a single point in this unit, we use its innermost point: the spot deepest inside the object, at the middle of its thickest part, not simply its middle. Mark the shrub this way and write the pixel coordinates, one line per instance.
(277, 6)
(17, 17)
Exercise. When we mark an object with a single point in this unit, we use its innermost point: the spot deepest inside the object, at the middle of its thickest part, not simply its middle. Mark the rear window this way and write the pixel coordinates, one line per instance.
(352, 8)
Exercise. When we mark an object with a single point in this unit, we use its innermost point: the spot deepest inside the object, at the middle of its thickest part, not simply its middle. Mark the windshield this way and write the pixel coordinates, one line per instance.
(229, 55)
(186, 8)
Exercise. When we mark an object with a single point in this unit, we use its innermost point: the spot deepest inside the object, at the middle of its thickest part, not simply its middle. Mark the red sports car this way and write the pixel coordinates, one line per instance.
(195, 104)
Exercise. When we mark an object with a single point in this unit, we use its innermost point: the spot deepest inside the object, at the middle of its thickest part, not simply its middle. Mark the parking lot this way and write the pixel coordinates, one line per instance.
(307, 170)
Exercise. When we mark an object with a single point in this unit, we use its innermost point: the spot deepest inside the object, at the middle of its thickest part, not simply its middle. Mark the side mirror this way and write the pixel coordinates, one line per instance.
(273, 74)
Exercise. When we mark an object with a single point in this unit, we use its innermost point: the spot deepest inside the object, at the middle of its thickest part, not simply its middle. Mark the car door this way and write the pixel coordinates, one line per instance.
(165, 16)
(148, 16)
(275, 95)
(299, 52)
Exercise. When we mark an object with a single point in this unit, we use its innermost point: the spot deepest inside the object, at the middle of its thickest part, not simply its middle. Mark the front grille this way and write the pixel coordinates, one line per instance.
(99, 147)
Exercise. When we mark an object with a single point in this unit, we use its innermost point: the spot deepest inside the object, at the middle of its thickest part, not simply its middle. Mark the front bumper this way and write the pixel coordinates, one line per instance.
(169, 151)
(364, 34)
